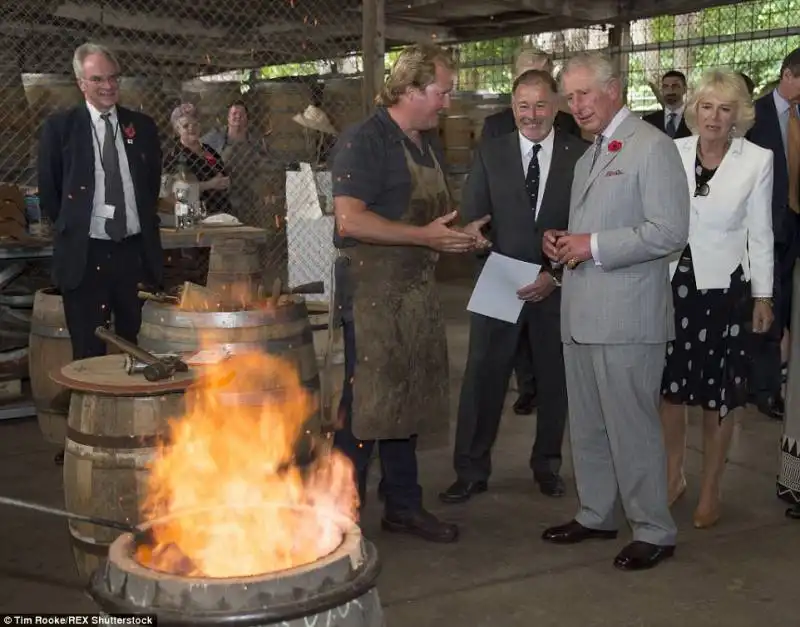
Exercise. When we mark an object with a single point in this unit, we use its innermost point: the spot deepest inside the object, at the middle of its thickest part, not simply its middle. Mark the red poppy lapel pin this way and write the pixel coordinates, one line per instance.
(210, 159)
(614, 146)
(130, 132)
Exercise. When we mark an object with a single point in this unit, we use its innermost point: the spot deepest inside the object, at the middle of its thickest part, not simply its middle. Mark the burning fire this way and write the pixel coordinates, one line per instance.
(233, 493)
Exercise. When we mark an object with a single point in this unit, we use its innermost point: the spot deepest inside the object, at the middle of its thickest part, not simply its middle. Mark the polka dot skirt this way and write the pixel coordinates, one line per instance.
(707, 363)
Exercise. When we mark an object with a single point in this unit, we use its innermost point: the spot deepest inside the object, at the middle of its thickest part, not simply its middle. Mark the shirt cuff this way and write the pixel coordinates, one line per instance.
(593, 245)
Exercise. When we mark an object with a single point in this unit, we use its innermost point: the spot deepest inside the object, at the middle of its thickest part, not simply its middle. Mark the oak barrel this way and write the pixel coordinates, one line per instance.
(50, 350)
(114, 424)
(284, 331)
(234, 270)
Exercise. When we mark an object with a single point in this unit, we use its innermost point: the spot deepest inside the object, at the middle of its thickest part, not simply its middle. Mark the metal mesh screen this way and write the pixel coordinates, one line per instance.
(277, 57)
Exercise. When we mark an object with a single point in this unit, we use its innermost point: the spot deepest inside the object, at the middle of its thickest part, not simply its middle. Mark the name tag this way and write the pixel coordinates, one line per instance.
(105, 211)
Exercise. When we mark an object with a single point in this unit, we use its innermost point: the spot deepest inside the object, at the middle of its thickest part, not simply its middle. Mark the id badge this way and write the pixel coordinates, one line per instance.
(106, 212)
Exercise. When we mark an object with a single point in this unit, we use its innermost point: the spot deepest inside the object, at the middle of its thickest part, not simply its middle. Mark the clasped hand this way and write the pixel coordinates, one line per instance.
(440, 236)
(569, 249)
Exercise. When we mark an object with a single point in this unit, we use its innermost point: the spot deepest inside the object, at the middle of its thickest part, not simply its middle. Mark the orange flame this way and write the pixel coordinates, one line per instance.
(229, 495)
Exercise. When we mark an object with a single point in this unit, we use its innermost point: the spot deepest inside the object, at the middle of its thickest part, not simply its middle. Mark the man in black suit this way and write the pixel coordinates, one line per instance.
(99, 181)
(502, 123)
(777, 127)
(673, 94)
(523, 181)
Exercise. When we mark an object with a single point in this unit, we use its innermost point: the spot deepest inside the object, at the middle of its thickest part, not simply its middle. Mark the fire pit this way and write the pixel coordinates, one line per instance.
(337, 590)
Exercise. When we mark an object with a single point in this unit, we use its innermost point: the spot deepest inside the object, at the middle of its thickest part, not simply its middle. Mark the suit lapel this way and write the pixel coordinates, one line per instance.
(558, 164)
(81, 137)
(607, 157)
(511, 164)
(125, 128)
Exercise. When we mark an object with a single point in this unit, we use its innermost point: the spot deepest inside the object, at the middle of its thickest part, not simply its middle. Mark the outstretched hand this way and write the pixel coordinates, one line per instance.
(440, 236)
(474, 229)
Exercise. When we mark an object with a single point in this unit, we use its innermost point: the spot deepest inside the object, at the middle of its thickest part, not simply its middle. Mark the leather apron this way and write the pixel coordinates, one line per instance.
(400, 383)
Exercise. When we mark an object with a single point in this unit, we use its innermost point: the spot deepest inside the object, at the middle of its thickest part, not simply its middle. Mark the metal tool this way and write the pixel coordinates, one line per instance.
(140, 536)
(156, 369)
(159, 297)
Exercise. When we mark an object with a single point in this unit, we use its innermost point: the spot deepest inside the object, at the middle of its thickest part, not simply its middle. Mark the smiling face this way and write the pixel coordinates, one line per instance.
(534, 109)
(716, 116)
(593, 103)
(99, 81)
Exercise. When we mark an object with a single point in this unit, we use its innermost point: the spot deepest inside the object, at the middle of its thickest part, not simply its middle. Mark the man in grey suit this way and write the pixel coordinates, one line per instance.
(522, 181)
(629, 213)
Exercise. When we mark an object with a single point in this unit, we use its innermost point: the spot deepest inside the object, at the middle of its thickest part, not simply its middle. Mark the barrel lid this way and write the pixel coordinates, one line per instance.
(107, 376)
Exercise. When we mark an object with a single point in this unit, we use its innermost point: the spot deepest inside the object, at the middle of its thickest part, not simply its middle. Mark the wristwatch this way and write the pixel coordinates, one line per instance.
(554, 274)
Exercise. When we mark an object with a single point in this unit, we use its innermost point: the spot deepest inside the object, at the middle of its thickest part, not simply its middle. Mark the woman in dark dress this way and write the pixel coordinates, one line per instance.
(722, 282)
(203, 161)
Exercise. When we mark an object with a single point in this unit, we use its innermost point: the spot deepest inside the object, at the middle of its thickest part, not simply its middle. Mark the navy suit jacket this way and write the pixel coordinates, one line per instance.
(658, 119)
(766, 132)
(66, 188)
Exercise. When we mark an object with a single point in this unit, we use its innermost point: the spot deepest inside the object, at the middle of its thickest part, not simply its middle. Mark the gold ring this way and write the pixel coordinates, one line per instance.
(572, 263)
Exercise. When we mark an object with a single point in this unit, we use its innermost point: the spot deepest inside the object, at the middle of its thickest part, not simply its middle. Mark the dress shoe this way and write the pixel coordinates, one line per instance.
(58, 460)
(574, 532)
(642, 555)
(793, 512)
(525, 404)
(462, 491)
(706, 517)
(550, 484)
(422, 524)
(772, 407)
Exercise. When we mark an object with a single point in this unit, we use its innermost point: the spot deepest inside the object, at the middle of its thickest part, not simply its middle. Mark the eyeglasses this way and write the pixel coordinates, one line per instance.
(701, 190)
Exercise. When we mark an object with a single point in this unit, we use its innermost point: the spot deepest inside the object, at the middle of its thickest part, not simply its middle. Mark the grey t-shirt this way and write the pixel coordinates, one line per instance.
(369, 164)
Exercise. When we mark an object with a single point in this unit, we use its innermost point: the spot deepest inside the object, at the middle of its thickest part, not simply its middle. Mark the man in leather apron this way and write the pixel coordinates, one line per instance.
(393, 217)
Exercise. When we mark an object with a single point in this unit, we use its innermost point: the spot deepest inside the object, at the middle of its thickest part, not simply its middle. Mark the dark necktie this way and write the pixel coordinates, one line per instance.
(116, 227)
(598, 145)
(532, 177)
(672, 128)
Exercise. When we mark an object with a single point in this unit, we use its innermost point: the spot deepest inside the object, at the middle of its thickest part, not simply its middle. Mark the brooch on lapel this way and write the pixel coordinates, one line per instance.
(130, 132)
(614, 146)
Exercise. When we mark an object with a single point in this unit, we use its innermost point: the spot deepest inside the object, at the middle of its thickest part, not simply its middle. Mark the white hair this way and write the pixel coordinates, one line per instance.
(598, 64)
(84, 50)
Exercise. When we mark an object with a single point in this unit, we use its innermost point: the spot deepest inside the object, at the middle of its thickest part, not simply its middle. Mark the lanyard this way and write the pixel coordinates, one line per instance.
(99, 145)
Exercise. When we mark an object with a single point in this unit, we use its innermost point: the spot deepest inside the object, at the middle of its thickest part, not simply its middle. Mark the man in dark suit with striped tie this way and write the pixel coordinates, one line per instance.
(670, 119)
(99, 180)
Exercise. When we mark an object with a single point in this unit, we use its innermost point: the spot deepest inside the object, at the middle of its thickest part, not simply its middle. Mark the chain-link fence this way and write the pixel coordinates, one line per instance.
(287, 62)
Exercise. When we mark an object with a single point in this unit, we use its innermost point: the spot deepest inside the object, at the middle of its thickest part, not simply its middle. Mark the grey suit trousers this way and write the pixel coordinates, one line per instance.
(616, 437)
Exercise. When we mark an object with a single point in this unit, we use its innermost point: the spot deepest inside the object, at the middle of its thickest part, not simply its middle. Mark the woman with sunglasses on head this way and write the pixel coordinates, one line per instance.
(722, 282)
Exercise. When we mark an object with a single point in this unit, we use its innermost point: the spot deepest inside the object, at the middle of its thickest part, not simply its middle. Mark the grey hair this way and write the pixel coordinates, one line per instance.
(597, 63)
(84, 50)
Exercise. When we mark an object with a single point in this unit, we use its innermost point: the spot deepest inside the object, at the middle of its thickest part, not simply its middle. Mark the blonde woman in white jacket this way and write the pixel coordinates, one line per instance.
(722, 282)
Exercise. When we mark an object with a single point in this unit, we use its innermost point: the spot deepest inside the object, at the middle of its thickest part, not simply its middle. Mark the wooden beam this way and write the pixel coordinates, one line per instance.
(374, 46)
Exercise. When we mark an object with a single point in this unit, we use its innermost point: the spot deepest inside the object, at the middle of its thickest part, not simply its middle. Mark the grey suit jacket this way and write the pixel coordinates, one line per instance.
(637, 201)
(496, 186)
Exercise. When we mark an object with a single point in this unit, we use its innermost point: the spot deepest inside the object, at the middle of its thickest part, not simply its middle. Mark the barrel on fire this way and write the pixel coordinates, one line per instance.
(335, 591)
(114, 425)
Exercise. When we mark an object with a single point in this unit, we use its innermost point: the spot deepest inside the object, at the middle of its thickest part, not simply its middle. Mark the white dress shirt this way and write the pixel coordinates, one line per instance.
(607, 134)
(544, 158)
(97, 226)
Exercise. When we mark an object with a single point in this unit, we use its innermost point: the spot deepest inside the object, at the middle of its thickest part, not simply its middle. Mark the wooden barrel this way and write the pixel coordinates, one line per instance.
(342, 101)
(277, 103)
(235, 270)
(457, 138)
(50, 350)
(284, 331)
(114, 425)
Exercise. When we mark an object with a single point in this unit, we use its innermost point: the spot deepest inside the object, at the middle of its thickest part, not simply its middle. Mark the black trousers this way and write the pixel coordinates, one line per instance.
(492, 349)
(523, 368)
(109, 286)
(398, 458)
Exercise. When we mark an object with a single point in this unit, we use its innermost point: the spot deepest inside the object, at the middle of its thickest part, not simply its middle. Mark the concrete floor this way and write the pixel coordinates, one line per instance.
(740, 574)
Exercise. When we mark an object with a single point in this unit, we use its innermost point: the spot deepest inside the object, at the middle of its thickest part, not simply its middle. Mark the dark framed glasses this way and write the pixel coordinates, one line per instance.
(701, 190)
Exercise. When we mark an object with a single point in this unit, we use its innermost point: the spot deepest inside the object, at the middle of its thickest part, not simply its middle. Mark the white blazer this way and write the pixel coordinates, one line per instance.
(733, 224)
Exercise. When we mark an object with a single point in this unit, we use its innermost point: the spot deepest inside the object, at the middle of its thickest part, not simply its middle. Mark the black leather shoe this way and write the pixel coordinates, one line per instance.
(793, 512)
(525, 404)
(422, 524)
(574, 532)
(772, 407)
(58, 460)
(462, 491)
(550, 484)
(642, 555)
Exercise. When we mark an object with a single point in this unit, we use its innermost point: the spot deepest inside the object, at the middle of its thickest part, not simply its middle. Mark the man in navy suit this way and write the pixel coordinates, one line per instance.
(670, 119)
(99, 181)
(777, 127)
(503, 123)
